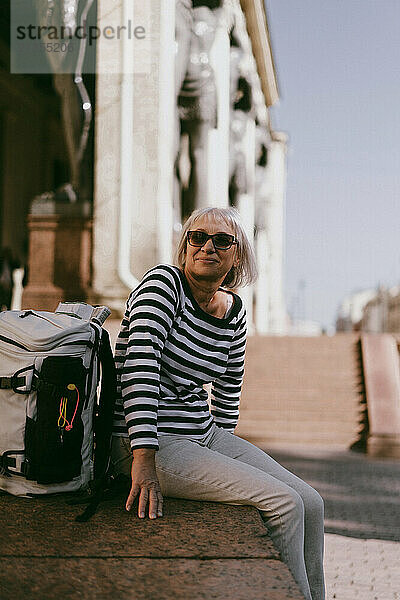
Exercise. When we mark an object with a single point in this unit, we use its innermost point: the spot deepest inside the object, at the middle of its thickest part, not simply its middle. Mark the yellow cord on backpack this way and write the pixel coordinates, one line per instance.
(62, 419)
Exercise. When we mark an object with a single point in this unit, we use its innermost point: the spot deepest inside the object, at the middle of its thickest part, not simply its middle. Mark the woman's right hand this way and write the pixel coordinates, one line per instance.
(145, 483)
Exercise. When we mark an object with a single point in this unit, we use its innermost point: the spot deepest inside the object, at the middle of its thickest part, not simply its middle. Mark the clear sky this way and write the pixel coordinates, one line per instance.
(338, 67)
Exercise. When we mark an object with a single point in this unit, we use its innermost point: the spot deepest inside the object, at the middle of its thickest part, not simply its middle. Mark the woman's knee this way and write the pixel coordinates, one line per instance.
(288, 505)
(313, 503)
(297, 505)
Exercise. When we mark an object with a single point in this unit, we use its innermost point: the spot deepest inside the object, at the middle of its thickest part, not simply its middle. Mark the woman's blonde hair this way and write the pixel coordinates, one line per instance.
(245, 272)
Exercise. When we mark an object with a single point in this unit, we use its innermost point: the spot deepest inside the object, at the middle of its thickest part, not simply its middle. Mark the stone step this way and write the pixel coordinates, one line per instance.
(300, 425)
(259, 436)
(298, 395)
(308, 416)
(290, 380)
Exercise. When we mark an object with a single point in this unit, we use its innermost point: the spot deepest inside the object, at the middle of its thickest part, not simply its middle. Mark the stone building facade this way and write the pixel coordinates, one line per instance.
(371, 311)
(382, 313)
(180, 120)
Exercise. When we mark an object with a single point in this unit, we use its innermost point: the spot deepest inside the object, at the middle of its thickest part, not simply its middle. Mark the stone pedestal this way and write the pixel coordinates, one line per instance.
(384, 446)
(59, 257)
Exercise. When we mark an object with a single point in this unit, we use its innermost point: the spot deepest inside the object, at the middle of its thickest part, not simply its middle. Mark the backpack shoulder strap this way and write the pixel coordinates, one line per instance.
(103, 422)
(105, 407)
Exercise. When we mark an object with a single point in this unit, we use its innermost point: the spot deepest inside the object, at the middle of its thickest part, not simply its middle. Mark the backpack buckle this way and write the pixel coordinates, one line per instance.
(17, 382)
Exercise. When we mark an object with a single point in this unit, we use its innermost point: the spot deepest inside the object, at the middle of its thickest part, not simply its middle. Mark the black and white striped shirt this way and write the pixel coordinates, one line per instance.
(166, 350)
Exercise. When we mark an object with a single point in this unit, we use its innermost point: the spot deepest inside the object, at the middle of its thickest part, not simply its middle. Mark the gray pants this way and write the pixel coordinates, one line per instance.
(226, 468)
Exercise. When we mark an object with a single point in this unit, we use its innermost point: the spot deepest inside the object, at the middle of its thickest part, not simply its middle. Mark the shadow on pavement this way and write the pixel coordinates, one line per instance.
(362, 495)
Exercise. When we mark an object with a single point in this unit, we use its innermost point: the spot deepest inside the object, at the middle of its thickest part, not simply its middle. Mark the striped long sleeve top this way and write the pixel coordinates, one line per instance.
(166, 350)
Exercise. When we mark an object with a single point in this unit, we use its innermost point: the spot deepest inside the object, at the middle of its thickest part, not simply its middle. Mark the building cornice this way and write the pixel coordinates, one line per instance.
(257, 27)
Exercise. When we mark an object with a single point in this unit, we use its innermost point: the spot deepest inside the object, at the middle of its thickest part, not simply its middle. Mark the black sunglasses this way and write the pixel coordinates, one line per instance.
(221, 241)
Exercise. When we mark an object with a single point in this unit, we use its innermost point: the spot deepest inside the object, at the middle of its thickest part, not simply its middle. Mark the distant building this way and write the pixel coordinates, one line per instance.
(372, 311)
(382, 313)
(351, 310)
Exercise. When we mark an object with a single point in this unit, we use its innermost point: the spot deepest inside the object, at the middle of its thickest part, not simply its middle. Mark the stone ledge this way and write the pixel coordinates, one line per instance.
(380, 358)
(197, 550)
(147, 579)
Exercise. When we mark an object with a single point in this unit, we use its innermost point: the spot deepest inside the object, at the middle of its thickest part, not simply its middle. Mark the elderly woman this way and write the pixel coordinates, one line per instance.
(184, 328)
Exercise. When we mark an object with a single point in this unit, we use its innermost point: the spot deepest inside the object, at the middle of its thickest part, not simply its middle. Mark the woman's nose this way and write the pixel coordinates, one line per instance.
(209, 246)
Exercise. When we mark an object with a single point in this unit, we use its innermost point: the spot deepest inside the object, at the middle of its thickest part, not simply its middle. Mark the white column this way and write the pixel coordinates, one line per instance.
(218, 167)
(275, 220)
(107, 285)
(134, 157)
(166, 149)
(262, 291)
(128, 191)
(247, 211)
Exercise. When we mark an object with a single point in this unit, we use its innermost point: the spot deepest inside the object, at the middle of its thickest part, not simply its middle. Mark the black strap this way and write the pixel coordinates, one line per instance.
(10, 383)
(103, 422)
(105, 411)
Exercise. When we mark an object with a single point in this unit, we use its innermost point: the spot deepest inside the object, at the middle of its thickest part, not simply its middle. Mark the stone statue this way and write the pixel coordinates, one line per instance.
(75, 101)
(198, 95)
(197, 101)
(58, 13)
(183, 29)
(241, 106)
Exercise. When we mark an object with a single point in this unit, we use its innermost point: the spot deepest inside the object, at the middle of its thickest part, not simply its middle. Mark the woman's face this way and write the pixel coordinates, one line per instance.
(208, 263)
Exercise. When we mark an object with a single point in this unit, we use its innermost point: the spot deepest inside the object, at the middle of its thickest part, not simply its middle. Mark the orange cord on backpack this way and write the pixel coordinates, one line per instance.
(62, 419)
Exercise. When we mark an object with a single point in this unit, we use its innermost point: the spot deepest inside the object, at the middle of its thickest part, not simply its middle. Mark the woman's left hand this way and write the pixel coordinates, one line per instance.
(145, 483)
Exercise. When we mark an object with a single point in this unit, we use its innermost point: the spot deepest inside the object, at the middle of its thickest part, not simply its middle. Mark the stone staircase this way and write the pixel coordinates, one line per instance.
(302, 391)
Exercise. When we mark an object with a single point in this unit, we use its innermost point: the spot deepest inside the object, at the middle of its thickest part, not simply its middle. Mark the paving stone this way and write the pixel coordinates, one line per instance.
(361, 494)
(362, 509)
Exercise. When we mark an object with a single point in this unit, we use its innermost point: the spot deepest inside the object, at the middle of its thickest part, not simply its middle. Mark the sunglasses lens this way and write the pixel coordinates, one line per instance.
(197, 238)
(223, 241)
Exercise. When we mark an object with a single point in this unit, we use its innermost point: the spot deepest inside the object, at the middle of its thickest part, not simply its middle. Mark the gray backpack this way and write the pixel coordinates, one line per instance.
(55, 430)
